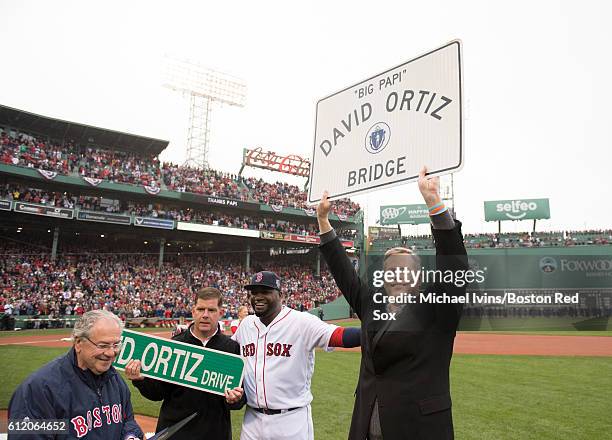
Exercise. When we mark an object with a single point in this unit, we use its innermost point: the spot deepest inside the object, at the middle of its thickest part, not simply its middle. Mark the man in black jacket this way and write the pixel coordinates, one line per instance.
(403, 391)
(213, 421)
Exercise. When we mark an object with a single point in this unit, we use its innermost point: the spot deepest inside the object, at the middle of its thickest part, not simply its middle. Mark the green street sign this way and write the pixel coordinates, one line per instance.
(523, 209)
(404, 214)
(179, 363)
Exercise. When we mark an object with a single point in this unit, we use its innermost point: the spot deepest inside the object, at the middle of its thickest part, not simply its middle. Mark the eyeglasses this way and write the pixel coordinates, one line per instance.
(104, 347)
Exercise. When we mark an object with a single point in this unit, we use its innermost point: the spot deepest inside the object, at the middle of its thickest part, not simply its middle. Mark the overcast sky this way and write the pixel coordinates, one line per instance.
(537, 83)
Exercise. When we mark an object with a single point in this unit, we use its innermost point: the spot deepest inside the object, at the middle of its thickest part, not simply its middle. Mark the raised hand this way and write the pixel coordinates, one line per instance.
(323, 209)
(429, 187)
(132, 370)
(324, 206)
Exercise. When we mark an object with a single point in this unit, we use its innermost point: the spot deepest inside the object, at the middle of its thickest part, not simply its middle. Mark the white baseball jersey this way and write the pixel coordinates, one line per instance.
(279, 358)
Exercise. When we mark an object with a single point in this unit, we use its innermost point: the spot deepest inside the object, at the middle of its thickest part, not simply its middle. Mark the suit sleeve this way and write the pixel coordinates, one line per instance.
(450, 256)
(130, 427)
(344, 273)
(34, 401)
(450, 250)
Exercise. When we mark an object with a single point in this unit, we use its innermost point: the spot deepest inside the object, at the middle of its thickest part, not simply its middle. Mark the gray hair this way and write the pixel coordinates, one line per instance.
(83, 326)
(414, 258)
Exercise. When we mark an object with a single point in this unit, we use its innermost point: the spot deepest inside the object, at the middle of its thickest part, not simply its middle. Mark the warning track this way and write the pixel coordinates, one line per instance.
(465, 343)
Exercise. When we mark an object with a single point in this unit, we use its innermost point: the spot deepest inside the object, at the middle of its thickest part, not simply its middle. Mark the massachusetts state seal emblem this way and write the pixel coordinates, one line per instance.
(377, 138)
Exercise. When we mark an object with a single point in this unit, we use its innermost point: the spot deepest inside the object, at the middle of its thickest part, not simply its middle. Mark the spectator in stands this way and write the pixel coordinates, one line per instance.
(131, 284)
(141, 169)
(243, 312)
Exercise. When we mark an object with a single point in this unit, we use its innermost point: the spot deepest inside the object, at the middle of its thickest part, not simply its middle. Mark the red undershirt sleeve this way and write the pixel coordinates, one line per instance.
(335, 340)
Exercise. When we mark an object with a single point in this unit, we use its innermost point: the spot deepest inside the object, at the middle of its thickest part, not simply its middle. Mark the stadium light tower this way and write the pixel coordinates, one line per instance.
(204, 87)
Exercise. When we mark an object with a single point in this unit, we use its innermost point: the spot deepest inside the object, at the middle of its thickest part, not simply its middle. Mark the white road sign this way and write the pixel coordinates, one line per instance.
(380, 132)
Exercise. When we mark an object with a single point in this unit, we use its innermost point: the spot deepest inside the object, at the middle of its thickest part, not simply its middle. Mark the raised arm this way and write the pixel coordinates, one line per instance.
(339, 264)
(323, 210)
(450, 249)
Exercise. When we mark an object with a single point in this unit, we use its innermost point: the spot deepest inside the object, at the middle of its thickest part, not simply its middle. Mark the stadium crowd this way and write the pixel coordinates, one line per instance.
(132, 285)
(27, 151)
(540, 239)
(209, 182)
(32, 195)
(284, 194)
(479, 311)
(113, 165)
(216, 218)
(130, 168)
(119, 167)
(507, 240)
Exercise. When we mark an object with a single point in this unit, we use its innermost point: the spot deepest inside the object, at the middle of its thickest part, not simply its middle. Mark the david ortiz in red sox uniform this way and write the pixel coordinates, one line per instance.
(278, 344)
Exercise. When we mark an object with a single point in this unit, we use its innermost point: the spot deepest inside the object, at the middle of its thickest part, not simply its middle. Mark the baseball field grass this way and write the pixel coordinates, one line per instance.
(518, 327)
(61, 332)
(494, 397)
(343, 323)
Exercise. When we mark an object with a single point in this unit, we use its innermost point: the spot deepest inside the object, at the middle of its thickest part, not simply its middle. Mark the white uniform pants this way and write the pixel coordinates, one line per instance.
(294, 425)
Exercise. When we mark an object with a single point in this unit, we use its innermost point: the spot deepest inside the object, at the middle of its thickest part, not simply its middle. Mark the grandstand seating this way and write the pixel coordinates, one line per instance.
(479, 241)
(280, 193)
(130, 168)
(130, 281)
(217, 218)
(131, 284)
(582, 238)
(209, 182)
(508, 240)
(119, 166)
(27, 151)
(418, 242)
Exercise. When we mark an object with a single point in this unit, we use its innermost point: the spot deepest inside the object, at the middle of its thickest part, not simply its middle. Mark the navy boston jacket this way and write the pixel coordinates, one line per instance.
(96, 406)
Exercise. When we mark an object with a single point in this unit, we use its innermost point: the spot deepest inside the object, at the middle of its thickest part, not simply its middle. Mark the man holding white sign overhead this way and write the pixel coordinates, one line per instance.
(213, 420)
(407, 342)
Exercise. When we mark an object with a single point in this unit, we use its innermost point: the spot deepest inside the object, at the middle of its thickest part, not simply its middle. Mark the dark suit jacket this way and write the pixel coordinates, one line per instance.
(213, 421)
(405, 363)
